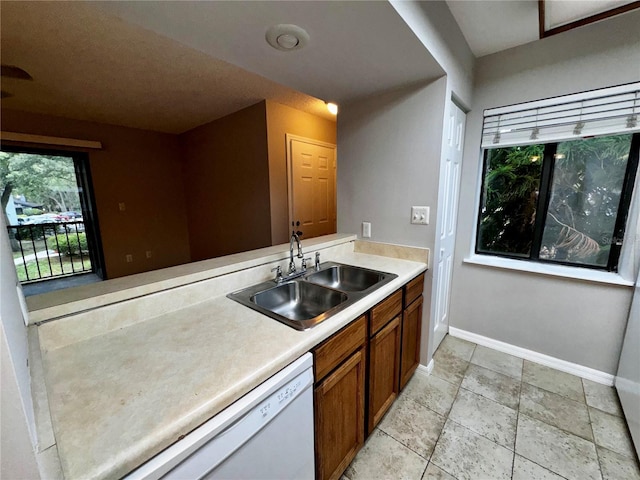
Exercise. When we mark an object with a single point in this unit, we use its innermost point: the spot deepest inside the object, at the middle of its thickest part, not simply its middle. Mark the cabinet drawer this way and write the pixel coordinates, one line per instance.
(413, 290)
(329, 354)
(385, 311)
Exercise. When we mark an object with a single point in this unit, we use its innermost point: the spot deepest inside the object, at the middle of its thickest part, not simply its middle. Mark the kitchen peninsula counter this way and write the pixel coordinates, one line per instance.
(126, 380)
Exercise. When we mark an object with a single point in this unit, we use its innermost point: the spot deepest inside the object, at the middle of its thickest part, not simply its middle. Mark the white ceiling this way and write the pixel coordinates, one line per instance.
(562, 12)
(89, 66)
(355, 48)
(171, 66)
(490, 26)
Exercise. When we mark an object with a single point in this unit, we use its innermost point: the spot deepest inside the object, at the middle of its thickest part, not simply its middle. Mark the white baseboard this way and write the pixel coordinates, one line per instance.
(422, 370)
(546, 360)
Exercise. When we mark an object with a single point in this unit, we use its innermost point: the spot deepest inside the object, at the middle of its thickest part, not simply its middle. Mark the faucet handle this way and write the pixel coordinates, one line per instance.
(304, 262)
(317, 265)
(278, 271)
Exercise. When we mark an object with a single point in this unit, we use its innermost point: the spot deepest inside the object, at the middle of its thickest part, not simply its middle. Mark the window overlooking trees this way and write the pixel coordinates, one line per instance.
(47, 206)
(510, 199)
(564, 202)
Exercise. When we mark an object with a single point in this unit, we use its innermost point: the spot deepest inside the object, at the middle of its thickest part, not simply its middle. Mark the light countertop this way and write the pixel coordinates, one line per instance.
(119, 397)
(55, 304)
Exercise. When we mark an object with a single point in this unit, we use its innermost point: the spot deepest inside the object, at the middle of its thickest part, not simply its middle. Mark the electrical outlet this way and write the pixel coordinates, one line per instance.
(129, 258)
(366, 229)
(122, 207)
(420, 215)
(148, 253)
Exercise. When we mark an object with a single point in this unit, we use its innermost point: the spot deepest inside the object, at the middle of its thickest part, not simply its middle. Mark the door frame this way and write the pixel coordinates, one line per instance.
(289, 137)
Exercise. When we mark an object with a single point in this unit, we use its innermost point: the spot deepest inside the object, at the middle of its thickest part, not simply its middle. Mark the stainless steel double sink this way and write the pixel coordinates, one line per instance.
(305, 301)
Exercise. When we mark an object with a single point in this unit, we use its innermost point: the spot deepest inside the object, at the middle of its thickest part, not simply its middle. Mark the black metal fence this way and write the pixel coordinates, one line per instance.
(47, 250)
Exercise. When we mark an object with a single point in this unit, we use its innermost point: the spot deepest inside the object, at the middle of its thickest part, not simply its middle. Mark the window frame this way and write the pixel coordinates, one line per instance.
(544, 198)
(84, 180)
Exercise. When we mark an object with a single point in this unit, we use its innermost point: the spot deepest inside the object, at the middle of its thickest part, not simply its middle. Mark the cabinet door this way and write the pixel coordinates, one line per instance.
(384, 370)
(339, 403)
(411, 328)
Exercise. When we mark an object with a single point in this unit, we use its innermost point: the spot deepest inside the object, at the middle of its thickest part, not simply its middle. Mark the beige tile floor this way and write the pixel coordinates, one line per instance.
(483, 414)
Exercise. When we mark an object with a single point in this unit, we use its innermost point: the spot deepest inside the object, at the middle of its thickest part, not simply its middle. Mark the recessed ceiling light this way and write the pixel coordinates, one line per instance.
(286, 41)
(287, 37)
(333, 108)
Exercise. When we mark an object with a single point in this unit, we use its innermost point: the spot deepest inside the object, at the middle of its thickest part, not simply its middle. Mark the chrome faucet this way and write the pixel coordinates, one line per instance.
(293, 271)
(279, 278)
(295, 237)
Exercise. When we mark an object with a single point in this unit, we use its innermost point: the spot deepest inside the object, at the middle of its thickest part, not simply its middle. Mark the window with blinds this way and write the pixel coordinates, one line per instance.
(602, 112)
(558, 178)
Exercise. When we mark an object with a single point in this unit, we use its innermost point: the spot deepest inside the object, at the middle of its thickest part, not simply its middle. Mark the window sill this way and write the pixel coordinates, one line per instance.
(552, 270)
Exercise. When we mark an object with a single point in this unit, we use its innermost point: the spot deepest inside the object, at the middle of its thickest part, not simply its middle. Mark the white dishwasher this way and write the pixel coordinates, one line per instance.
(267, 434)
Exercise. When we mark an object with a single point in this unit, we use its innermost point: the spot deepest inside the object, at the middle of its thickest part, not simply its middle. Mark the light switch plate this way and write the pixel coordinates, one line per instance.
(420, 215)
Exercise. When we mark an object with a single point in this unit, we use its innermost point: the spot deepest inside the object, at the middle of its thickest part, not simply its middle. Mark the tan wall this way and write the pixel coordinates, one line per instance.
(280, 121)
(137, 167)
(226, 178)
(218, 189)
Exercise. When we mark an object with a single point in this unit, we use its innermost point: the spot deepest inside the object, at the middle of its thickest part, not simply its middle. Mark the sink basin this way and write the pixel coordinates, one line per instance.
(307, 300)
(346, 278)
(296, 303)
(299, 300)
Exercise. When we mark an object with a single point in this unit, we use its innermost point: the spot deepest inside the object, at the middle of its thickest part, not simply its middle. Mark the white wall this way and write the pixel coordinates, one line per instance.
(389, 160)
(569, 319)
(17, 429)
(436, 28)
(17, 459)
(390, 146)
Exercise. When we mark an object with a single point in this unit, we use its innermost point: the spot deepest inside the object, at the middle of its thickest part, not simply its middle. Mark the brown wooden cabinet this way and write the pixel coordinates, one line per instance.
(413, 290)
(411, 330)
(339, 399)
(384, 370)
(384, 357)
(386, 310)
(362, 369)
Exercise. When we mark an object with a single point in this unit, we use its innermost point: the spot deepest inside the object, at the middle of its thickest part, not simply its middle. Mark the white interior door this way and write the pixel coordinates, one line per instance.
(628, 377)
(312, 186)
(449, 188)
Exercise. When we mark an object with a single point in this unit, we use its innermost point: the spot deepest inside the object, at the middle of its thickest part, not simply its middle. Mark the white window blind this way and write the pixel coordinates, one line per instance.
(599, 112)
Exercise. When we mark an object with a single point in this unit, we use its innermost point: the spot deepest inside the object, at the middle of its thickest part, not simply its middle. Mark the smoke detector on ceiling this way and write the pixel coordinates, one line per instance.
(287, 37)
